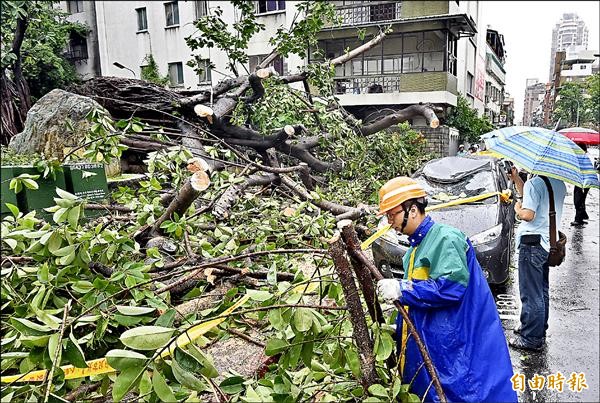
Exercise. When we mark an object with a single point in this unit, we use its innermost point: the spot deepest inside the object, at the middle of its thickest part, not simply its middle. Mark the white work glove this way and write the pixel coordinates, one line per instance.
(389, 290)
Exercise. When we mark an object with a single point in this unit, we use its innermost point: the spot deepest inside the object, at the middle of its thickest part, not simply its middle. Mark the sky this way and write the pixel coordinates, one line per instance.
(527, 29)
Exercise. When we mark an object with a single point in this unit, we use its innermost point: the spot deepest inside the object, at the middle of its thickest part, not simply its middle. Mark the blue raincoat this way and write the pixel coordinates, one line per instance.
(452, 308)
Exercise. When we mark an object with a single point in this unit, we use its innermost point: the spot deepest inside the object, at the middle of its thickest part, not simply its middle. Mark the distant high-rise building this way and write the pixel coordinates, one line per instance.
(570, 31)
(534, 98)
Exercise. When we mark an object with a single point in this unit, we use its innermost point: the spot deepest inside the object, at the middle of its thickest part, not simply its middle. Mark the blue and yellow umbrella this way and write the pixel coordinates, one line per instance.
(543, 152)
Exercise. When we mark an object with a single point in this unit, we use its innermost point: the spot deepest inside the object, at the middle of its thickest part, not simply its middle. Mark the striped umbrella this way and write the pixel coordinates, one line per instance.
(543, 152)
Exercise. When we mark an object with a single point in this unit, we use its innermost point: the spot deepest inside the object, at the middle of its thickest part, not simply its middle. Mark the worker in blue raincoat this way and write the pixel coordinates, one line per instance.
(448, 301)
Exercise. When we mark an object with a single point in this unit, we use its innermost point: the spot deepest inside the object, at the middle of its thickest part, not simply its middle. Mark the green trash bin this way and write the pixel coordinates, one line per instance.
(88, 181)
(39, 199)
(8, 195)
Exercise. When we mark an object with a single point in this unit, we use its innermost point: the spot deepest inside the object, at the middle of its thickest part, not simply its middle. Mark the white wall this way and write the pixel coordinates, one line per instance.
(85, 68)
(471, 56)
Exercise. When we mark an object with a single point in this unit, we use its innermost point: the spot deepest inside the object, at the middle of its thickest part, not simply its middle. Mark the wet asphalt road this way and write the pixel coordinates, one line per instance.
(572, 342)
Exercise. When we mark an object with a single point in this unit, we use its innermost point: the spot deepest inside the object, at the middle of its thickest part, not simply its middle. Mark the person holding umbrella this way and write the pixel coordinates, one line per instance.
(579, 196)
(547, 156)
(533, 243)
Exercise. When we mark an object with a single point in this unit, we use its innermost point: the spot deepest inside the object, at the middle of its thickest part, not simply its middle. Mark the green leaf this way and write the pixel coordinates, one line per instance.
(134, 310)
(386, 346)
(54, 242)
(259, 295)
(29, 328)
(187, 361)
(30, 184)
(307, 353)
(378, 390)
(54, 348)
(74, 354)
(10, 242)
(232, 385)
(60, 215)
(303, 319)
(63, 194)
(275, 346)
(163, 391)
(145, 387)
(276, 320)
(82, 286)
(13, 209)
(48, 319)
(166, 319)
(147, 337)
(126, 381)
(412, 398)
(208, 368)
(124, 359)
(73, 217)
(353, 361)
(294, 354)
(186, 378)
(67, 250)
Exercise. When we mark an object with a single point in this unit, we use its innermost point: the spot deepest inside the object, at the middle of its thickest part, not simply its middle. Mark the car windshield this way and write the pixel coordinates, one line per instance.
(452, 178)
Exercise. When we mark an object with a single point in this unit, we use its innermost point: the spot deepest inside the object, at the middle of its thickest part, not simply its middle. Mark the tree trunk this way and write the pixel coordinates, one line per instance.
(361, 334)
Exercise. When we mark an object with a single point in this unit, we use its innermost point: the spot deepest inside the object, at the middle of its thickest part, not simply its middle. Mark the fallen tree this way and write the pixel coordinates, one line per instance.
(232, 233)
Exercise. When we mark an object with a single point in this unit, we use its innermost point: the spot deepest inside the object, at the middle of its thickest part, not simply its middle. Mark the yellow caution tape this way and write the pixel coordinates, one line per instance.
(504, 197)
(100, 365)
(374, 237)
(192, 334)
(95, 367)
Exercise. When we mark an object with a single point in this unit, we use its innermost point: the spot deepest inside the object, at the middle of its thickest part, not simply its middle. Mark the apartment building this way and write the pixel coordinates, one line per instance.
(495, 75)
(569, 31)
(578, 64)
(433, 52)
(534, 101)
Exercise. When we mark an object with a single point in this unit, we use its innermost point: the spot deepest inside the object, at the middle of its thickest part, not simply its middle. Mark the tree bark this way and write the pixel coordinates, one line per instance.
(232, 194)
(401, 116)
(361, 334)
(360, 255)
(179, 205)
(16, 99)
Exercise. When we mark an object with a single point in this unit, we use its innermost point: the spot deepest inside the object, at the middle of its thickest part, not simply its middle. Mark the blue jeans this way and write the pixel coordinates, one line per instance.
(533, 287)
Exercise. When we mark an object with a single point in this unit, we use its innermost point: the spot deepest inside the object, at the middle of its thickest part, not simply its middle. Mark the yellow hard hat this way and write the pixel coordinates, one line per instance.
(398, 190)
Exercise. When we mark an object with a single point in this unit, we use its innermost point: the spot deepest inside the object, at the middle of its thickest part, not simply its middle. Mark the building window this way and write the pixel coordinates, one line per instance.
(172, 13)
(142, 19)
(270, 6)
(74, 7)
(76, 48)
(469, 83)
(200, 8)
(176, 74)
(204, 71)
(279, 65)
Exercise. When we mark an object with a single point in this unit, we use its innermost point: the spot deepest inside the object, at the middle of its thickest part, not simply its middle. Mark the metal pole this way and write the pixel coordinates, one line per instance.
(577, 122)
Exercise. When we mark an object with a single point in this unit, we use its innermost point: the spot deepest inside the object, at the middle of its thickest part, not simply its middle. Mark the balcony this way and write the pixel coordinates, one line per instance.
(495, 68)
(390, 83)
(368, 13)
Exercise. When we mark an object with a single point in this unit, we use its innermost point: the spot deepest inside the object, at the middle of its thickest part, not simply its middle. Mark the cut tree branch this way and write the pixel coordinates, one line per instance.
(401, 116)
(361, 335)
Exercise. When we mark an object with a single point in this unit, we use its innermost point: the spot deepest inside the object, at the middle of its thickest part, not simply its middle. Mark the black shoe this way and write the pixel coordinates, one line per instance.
(577, 223)
(517, 342)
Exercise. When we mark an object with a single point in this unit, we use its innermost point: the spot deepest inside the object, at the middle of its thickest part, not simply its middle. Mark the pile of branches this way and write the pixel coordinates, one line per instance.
(192, 120)
(154, 259)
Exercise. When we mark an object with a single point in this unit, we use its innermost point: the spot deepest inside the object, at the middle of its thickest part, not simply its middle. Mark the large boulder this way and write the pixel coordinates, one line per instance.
(55, 122)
